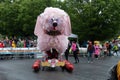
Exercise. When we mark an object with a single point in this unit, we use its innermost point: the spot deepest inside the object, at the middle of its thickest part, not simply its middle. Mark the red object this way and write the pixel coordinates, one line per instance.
(1, 45)
(69, 66)
(53, 54)
(36, 65)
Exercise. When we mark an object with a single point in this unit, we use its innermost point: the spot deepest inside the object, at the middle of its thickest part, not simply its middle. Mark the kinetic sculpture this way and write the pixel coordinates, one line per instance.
(52, 29)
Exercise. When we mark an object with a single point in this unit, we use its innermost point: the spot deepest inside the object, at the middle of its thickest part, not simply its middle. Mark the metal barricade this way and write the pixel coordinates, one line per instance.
(18, 53)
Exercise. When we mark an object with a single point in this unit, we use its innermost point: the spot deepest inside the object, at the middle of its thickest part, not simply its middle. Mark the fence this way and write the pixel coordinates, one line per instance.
(21, 53)
(18, 53)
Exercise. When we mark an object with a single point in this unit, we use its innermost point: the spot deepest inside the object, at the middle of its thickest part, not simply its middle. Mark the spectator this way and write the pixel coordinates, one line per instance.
(13, 44)
(67, 51)
(108, 46)
(109, 49)
(90, 51)
(20, 43)
(119, 46)
(27, 43)
(115, 49)
(104, 49)
(74, 48)
(97, 50)
(1, 44)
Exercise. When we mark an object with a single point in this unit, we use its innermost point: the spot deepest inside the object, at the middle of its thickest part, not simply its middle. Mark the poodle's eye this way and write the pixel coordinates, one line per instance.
(52, 19)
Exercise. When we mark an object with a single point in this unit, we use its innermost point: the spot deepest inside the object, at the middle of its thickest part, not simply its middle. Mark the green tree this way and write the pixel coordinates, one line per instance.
(95, 20)
(29, 10)
(18, 17)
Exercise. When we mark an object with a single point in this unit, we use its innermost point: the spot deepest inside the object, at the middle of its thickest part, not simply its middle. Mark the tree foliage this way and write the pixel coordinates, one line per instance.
(19, 17)
(95, 20)
(91, 20)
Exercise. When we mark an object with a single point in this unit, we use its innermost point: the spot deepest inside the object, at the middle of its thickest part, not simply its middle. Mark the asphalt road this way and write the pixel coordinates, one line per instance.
(22, 70)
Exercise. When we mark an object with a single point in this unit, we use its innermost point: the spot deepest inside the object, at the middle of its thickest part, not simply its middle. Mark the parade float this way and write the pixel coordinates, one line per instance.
(53, 27)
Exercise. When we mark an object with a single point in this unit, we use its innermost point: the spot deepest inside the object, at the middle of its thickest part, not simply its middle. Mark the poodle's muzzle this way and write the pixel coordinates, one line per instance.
(54, 22)
(54, 32)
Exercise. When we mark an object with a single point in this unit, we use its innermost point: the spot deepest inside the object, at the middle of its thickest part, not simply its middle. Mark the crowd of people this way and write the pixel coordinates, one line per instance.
(17, 42)
(94, 50)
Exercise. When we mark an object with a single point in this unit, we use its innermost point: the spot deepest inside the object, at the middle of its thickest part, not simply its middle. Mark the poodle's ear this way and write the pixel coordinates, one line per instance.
(67, 26)
(38, 27)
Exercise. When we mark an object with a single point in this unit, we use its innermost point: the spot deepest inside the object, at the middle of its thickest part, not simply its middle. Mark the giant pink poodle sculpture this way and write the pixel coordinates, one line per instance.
(52, 29)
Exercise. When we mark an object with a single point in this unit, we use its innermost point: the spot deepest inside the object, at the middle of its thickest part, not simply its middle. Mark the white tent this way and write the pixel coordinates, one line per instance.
(73, 36)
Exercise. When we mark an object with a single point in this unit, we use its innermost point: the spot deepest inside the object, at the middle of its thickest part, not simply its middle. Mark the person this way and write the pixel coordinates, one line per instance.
(97, 50)
(90, 51)
(110, 47)
(1, 44)
(115, 49)
(13, 44)
(74, 48)
(104, 49)
(67, 51)
(118, 46)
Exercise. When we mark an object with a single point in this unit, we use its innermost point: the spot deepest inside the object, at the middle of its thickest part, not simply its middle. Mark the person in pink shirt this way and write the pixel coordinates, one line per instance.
(97, 50)
(75, 49)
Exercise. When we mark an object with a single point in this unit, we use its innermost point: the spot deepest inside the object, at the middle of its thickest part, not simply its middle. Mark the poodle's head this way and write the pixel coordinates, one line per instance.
(53, 21)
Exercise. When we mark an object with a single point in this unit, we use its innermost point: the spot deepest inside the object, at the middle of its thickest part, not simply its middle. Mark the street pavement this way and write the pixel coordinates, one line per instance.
(22, 70)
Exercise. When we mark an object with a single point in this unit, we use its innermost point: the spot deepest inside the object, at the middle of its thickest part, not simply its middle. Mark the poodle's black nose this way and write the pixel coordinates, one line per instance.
(55, 24)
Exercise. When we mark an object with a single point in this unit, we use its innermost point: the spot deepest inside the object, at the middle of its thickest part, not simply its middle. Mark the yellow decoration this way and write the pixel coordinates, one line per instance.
(60, 64)
(45, 63)
(118, 70)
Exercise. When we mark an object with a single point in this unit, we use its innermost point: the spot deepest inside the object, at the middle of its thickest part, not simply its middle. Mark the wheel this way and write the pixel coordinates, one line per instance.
(62, 68)
(36, 70)
(43, 68)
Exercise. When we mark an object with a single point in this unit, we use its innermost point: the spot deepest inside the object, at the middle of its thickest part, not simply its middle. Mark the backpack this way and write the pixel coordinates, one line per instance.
(73, 47)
